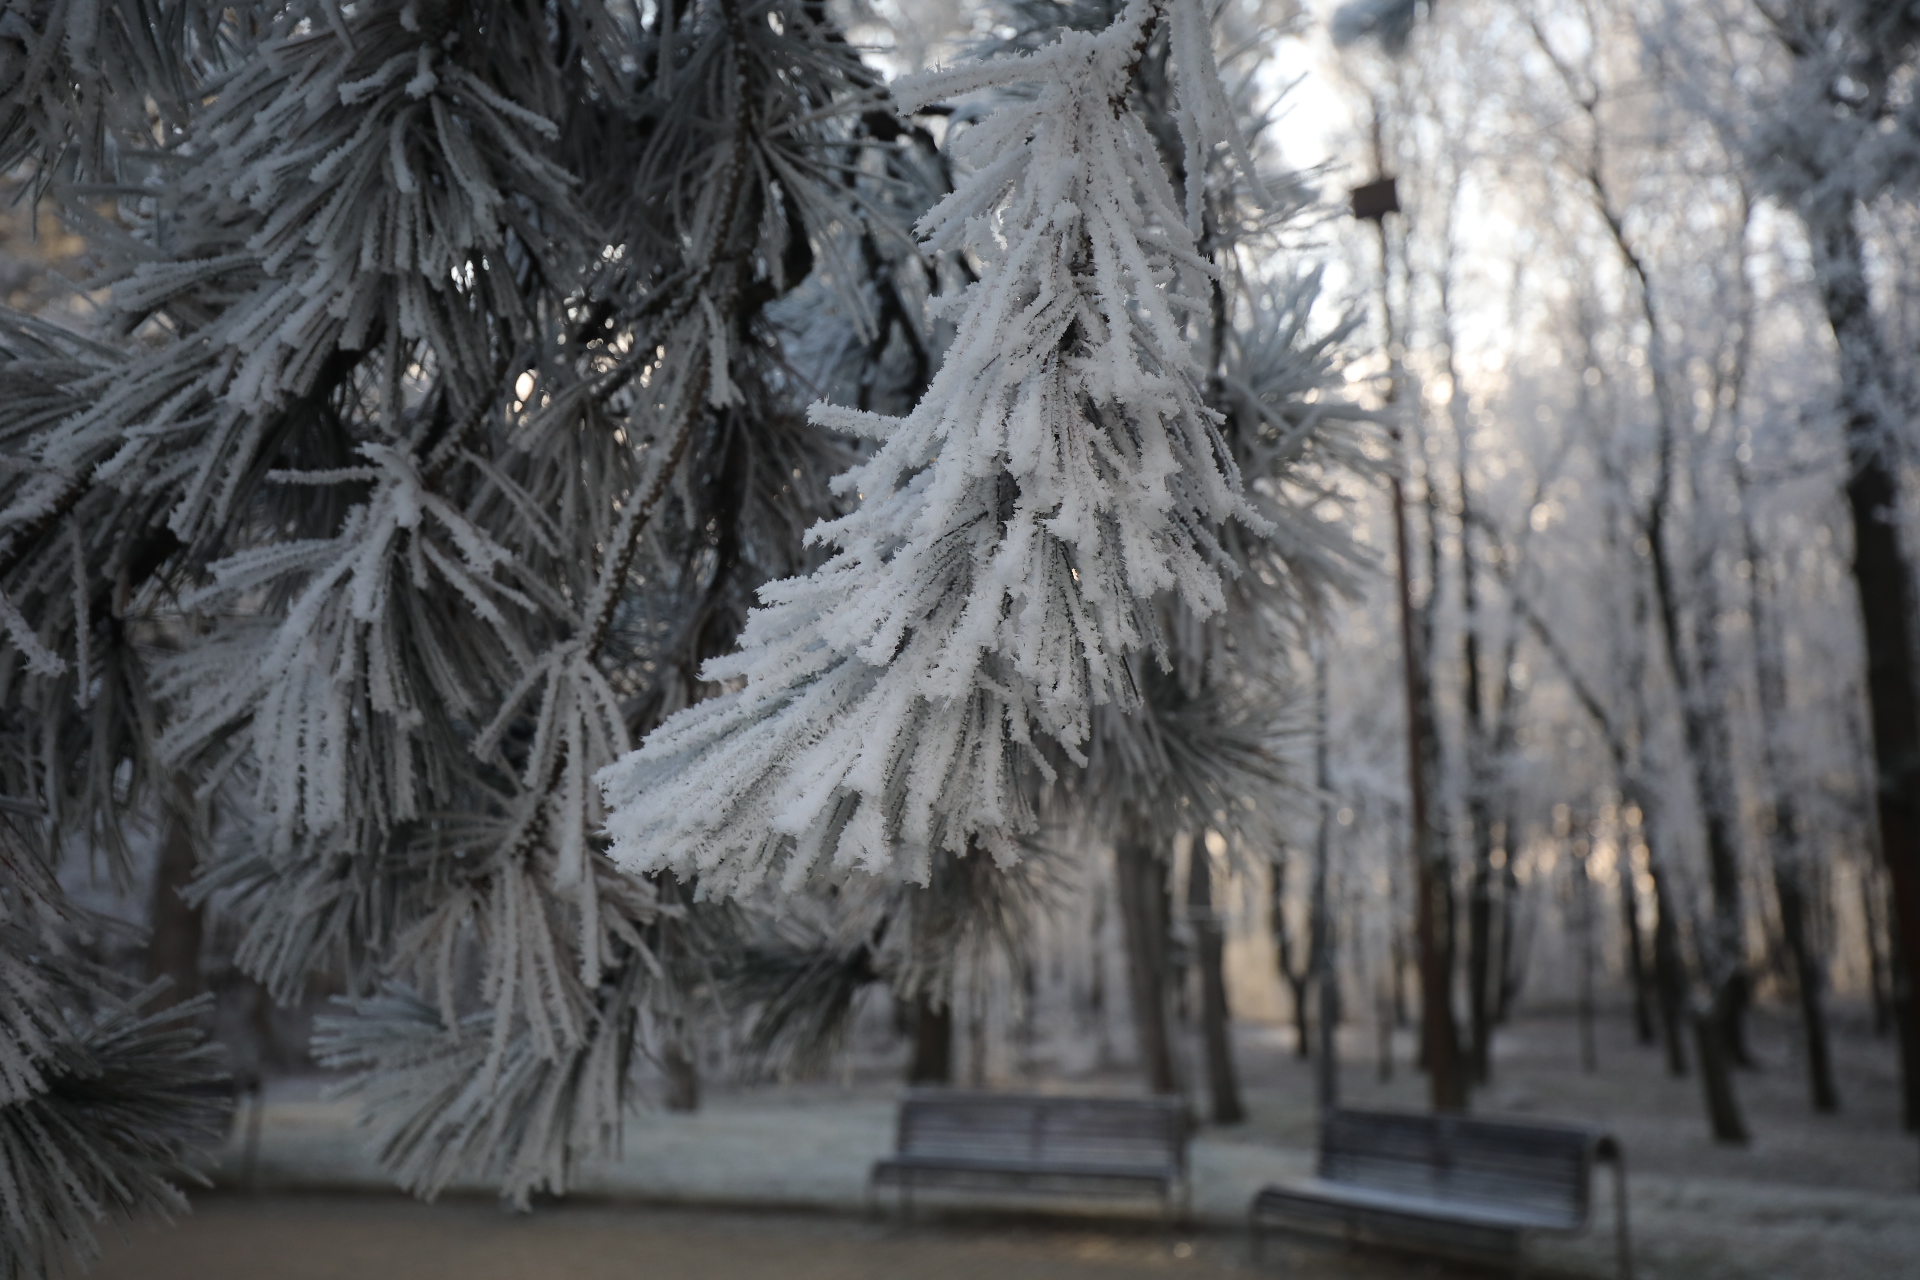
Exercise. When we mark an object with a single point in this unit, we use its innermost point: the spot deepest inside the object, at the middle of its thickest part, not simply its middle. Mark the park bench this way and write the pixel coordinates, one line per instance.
(1471, 1185)
(981, 1141)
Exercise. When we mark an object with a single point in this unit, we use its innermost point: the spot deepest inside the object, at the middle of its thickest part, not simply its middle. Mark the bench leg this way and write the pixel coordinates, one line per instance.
(1621, 1245)
(906, 1200)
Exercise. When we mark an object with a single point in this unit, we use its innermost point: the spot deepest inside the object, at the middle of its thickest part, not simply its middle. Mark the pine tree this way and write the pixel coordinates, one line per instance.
(440, 420)
(1014, 530)
(432, 433)
(106, 1104)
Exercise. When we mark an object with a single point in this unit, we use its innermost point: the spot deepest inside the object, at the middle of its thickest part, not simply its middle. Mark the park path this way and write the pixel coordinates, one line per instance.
(333, 1237)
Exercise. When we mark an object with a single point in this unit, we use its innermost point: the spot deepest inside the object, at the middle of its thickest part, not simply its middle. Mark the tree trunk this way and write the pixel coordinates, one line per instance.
(1432, 881)
(267, 1050)
(1873, 917)
(1906, 1026)
(1326, 985)
(1480, 978)
(176, 929)
(1669, 974)
(1435, 917)
(1326, 1067)
(1097, 979)
(1326, 978)
(682, 1069)
(976, 1044)
(1383, 1024)
(1808, 978)
(1789, 859)
(1480, 749)
(1583, 910)
(1397, 977)
(1142, 893)
(1295, 970)
(1884, 582)
(1029, 1016)
(1636, 953)
(932, 1061)
(1716, 1078)
(1432, 886)
(1722, 952)
(1510, 967)
(1223, 1083)
(1713, 767)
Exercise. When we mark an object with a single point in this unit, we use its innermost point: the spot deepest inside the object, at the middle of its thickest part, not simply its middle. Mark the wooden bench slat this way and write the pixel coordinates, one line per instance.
(1142, 1173)
(1037, 1142)
(1464, 1179)
(1517, 1214)
(1376, 1199)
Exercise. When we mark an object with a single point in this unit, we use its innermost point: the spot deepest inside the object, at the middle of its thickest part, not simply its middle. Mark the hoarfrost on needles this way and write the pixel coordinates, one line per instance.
(1013, 531)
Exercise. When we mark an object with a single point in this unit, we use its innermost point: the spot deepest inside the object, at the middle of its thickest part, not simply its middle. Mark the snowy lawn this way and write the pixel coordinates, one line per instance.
(1812, 1197)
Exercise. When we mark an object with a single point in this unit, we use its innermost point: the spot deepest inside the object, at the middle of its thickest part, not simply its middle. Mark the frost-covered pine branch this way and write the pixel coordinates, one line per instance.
(1015, 531)
(1209, 740)
(442, 417)
(106, 1105)
(806, 956)
(448, 436)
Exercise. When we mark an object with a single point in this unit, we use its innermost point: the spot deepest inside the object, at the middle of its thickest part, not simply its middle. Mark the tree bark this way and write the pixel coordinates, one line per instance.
(1097, 979)
(1432, 883)
(1480, 750)
(1510, 963)
(1884, 582)
(1142, 893)
(1326, 985)
(1669, 971)
(1481, 999)
(1873, 917)
(1789, 858)
(1223, 1083)
(1326, 978)
(1722, 954)
(1809, 978)
(1383, 1036)
(1435, 917)
(1432, 887)
(1295, 970)
(1906, 1026)
(1716, 1079)
(1583, 909)
(932, 1061)
(1326, 1067)
(1636, 954)
(1397, 976)
(176, 928)
(1669, 974)
(682, 1069)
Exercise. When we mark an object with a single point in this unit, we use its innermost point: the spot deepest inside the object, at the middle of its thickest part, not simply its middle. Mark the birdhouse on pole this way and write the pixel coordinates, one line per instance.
(1375, 200)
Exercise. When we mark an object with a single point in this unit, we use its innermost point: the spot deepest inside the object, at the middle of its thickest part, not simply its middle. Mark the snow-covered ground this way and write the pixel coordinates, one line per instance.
(1812, 1197)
